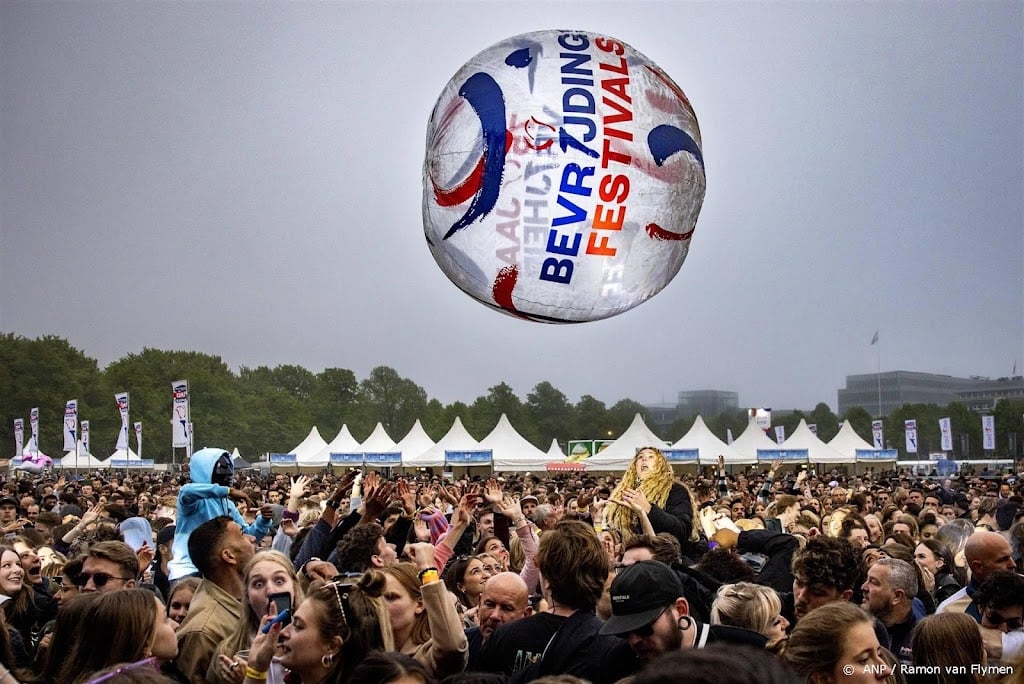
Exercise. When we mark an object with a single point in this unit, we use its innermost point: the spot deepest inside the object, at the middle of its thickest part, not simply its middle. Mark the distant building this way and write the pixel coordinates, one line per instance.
(690, 403)
(909, 387)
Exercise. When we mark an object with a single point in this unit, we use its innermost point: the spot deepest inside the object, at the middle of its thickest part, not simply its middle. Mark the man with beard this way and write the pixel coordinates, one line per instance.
(889, 591)
(651, 614)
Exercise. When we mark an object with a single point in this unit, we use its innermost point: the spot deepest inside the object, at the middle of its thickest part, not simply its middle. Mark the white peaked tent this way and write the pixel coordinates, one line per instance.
(817, 450)
(708, 446)
(309, 448)
(512, 451)
(378, 442)
(415, 443)
(120, 455)
(86, 461)
(456, 439)
(342, 443)
(555, 453)
(847, 441)
(752, 439)
(620, 453)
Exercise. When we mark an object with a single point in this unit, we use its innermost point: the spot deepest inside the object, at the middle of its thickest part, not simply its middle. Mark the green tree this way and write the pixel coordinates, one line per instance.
(388, 398)
(827, 422)
(1009, 419)
(551, 413)
(591, 420)
(621, 415)
(333, 399)
(860, 421)
(45, 373)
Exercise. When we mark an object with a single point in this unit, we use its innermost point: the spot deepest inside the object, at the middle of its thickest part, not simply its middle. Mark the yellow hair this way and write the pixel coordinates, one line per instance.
(656, 488)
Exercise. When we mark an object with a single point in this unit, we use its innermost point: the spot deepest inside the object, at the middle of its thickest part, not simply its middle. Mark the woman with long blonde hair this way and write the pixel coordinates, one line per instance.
(649, 486)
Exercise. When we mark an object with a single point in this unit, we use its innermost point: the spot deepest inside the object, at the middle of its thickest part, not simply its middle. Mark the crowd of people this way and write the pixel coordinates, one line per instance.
(762, 574)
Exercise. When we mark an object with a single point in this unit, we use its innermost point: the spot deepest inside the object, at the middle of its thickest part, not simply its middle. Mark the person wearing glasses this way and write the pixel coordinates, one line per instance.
(334, 628)
(652, 616)
(108, 566)
(999, 603)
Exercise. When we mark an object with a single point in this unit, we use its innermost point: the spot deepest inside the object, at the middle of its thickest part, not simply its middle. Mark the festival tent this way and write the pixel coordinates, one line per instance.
(86, 461)
(456, 439)
(847, 441)
(308, 449)
(415, 443)
(379, 441)
(511, 451)
(620, 453)
(343, 443)
(120, 455)
(817, 450)
(752, 440)
(238, 462)
(556, 460)
(709, 446)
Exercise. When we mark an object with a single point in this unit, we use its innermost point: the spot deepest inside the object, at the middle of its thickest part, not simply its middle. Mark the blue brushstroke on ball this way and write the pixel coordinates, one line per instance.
(666, 140)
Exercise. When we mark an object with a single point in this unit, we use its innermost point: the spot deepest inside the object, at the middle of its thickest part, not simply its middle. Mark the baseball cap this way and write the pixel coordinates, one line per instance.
(8, 500)
(640, 593)
(528, 497)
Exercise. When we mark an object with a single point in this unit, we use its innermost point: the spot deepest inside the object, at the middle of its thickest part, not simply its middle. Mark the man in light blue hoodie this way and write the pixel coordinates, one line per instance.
(208, 496)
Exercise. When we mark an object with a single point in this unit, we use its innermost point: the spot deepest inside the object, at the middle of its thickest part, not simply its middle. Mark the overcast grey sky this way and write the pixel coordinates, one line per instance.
(243, 179)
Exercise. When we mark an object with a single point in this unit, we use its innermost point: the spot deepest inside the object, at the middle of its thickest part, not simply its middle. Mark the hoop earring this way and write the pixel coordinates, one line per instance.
(689, 622)
(327, 660)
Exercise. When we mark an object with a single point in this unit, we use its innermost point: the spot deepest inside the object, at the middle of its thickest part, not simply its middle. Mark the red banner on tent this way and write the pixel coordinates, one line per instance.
(559, 466)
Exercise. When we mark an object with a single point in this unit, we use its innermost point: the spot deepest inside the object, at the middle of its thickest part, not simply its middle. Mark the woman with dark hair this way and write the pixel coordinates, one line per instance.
(335, 627)
(936, 563)
(24, 617)
(96, 630)
(465, 578)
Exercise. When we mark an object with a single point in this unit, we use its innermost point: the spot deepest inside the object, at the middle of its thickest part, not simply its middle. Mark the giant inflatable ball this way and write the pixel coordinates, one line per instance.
(563, 177)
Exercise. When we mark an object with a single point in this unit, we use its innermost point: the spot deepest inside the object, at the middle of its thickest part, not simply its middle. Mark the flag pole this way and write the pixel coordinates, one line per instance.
(878, 374)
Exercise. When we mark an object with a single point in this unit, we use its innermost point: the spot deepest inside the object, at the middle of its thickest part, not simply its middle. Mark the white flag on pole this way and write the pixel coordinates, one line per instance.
(33, 419)
(878, 434)
(813, 427)
(988, 433)
(947, 434)
(85, 435)
(138, 437)
(910, 427)
(780, 433)
(179, 414)
(122, 406)
(70, 425)
(728, 435)
(19, 436)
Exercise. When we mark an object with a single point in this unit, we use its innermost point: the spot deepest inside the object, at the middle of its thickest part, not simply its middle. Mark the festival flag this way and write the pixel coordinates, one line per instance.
(33, 419)
(988, 433)
(910, 427)
(728, 435)
(138, 438)
(85, 435)
(70, 425)
(180, 426)
(813, 427)
(947, 434)
(878, 434)
(874, 340)
(780, 433)
(19, 436)
(122, 406)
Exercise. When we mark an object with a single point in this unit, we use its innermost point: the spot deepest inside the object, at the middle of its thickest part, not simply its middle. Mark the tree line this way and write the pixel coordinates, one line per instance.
(266, 409)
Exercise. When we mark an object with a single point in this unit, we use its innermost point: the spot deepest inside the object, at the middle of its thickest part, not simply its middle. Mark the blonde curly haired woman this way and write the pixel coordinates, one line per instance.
(648, 486)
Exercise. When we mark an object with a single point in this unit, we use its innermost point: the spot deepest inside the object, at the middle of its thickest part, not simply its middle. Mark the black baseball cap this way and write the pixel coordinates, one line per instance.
(8, 501)
(640, 593)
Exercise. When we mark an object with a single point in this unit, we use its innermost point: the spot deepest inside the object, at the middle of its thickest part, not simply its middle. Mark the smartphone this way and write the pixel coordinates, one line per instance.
(281, 601)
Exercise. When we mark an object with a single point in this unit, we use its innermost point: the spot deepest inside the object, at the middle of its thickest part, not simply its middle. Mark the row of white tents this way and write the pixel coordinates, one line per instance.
(504, 449)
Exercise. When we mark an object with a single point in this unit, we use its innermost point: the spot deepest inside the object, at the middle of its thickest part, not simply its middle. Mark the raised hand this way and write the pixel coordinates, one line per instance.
(299, 486)
(407, 496)
(492, 492)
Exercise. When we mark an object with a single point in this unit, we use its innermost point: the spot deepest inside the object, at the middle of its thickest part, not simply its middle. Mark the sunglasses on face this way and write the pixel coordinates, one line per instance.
(1012, 624)
(99, 579)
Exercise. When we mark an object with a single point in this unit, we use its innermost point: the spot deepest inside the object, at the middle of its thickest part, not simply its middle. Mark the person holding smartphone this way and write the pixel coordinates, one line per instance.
(271, 587)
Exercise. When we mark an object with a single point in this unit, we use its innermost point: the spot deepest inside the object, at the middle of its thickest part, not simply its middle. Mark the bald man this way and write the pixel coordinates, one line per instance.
(985, 552)
(504, 599)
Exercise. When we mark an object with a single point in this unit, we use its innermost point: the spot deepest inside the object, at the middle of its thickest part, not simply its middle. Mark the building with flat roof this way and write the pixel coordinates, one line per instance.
(691, 403)
(882, 393)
